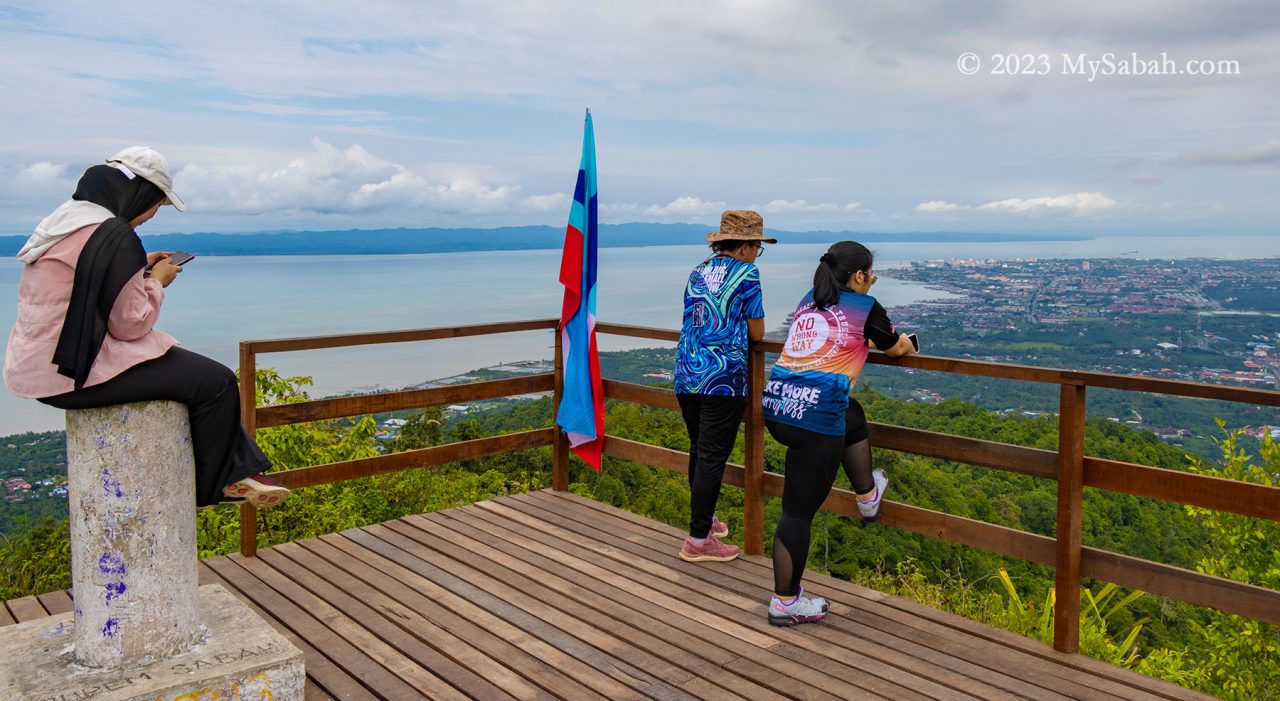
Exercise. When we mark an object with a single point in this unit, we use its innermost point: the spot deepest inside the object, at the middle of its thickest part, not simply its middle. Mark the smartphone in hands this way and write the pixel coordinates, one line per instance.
(915, 342)
(181, 257)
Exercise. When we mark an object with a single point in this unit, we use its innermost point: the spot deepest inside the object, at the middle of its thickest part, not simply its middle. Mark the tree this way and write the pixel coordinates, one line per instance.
(1238, 657)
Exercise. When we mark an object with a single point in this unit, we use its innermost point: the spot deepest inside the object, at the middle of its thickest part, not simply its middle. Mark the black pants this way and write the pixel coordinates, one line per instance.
(812, 461)
(223, 452)
(712, 421)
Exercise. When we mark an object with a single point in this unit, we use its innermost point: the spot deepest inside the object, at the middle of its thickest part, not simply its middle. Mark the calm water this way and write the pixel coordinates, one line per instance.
(217, 302)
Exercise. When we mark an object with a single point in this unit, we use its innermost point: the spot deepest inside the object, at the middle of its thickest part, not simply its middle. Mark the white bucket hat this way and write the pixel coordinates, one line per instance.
(147, 162)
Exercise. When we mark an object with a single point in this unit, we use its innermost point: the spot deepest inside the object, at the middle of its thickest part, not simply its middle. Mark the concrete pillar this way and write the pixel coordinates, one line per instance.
(131, 484)
(136, 633)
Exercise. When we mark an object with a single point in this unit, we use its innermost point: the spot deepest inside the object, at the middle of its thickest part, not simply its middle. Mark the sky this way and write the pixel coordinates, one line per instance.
(875, 115)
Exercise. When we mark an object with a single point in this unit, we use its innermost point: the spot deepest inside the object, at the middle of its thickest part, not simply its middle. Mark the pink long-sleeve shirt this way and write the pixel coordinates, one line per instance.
(43, 296)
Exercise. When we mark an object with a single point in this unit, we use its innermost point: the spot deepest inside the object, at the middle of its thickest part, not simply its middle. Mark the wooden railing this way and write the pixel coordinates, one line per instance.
(1068, 465)
(253, 417)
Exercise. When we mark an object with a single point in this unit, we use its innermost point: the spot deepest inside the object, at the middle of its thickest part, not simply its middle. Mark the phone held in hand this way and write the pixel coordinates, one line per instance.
(915, 342)
(181, 257)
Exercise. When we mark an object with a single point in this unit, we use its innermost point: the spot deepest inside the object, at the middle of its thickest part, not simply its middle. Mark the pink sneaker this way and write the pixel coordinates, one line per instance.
(710, 550)
(719, 528)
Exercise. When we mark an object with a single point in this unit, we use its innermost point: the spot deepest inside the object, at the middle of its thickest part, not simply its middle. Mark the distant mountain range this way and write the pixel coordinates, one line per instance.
(434, 240)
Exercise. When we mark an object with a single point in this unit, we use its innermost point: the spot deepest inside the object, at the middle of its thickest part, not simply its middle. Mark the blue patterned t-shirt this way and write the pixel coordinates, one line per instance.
(711, 357)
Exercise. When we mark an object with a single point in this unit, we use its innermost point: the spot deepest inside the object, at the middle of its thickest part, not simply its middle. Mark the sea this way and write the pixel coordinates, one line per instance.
(219, 301)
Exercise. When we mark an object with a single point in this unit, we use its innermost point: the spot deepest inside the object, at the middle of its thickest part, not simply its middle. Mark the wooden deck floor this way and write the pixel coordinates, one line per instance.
(551, 596)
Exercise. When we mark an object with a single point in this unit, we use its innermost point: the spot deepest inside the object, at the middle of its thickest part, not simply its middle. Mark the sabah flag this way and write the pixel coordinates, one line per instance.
(581, 410)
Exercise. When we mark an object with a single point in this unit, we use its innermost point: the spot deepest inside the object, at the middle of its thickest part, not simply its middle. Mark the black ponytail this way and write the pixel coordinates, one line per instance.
(835, 267)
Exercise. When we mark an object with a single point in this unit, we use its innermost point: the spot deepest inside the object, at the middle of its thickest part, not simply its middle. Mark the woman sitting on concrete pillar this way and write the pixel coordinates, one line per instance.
(85, 337)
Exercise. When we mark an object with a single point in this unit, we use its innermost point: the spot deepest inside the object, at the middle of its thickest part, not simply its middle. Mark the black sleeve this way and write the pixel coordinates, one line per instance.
(879, 330)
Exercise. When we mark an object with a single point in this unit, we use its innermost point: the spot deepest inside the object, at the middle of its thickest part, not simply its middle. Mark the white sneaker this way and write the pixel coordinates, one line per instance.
(801, 610)
(870, 510)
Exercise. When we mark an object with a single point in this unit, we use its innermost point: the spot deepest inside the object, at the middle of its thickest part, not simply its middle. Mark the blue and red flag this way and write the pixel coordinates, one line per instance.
(581, 410)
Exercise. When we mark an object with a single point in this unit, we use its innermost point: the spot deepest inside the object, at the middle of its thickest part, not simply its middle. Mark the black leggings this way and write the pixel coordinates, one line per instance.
(811, 464)
(712, 422)
(223, 452)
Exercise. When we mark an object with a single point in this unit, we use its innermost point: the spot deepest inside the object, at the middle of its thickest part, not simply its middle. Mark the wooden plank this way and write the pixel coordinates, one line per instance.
(323, 676)
(359, 405)
(280, 345)
(1028, 373)
(971, 451)
(1258, 603)
(386, 576)
(411, 459)
(625, 576)
(56, 602)
(421, 680)
(6, 619)
(352, 659)
(613, 678)
(658, 397)
(1181, 388)
(1044, 659)
(935, 524)
(448, 658)
(1206, 491)
(884, 653)
(665, 458)
(249, 422)
(1005, 371)
(753, 457)
(848, 631)
(1035, 662)
(650, 600)
(27, 608)
(1066, 608)
(953, 529)
(560, 443)
(440, 586)
(629, 664)
(311, 692)
(638, 331)
(676, 651)
(248, 530)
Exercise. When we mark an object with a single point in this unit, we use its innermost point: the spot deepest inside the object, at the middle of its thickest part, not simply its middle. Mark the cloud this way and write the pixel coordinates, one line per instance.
(1262, 154)
(940, 206)
(558, 202)
(803, 207)
(42, 172)
(1077, 203)
(1074, 204)
(328, 180)
(42, 181)
(284, 110)
(767, 103)
(685, 207)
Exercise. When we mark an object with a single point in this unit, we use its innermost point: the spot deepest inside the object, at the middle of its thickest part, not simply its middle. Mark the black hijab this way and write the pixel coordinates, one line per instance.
(109, 259)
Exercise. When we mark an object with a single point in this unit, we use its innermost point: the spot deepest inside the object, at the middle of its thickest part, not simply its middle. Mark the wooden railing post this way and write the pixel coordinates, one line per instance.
(560, 443)
(249, 420)
(753, 456)
(1066, 610)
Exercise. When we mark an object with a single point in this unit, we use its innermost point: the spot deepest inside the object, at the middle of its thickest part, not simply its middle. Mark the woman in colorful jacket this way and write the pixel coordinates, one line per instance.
(808, 409)
(723, 311)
